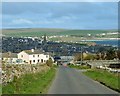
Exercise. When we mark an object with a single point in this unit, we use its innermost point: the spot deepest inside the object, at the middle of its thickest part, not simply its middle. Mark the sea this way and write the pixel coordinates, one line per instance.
(113, 42)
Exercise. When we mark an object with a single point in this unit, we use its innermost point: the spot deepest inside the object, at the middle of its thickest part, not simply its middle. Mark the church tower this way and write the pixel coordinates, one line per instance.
(45, 38)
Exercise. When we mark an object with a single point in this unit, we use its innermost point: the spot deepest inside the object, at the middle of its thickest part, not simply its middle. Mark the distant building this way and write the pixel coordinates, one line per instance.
(33, 56)
(64, 59)
(9, 57)
(27, 56)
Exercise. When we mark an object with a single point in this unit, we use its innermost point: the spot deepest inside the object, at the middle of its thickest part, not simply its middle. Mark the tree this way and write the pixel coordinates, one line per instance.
(101, 55)
(110, 55)
(102, 49)
(77, 57)
(90, 57)
(49, 62)
(118, 54)
(97, 56)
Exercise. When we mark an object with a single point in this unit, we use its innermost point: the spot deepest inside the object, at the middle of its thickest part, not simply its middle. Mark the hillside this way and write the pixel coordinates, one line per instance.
(48, 32)
(31, 31)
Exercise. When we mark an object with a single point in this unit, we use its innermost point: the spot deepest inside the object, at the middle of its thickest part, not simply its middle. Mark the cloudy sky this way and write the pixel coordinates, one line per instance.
(77, 15)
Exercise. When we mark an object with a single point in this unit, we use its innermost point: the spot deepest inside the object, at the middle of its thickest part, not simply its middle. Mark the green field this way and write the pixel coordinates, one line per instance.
(82, 32)
(0, 89)
(35, 83)
(109, 79)
(79, 67)
(31, 32)
(49, 32)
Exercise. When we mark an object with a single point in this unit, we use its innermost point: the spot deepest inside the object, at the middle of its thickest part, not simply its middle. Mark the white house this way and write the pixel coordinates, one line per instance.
(33, 56)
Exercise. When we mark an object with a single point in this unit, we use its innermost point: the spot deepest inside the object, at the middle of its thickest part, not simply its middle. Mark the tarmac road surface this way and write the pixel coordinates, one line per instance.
(73, 81)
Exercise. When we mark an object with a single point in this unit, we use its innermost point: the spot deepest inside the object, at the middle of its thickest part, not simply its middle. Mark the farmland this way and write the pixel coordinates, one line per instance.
(63, 35)
(30, 32)
(49, 32)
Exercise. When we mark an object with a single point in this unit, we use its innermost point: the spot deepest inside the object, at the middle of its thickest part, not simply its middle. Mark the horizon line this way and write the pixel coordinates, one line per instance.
(53, 28)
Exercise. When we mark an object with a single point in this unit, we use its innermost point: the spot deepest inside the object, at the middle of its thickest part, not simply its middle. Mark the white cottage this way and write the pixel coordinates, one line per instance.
(33, 56)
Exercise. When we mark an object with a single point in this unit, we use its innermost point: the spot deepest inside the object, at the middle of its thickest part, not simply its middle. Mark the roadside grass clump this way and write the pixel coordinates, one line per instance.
(55, 66)
(33, 83)
(106, 78)
(79, 66)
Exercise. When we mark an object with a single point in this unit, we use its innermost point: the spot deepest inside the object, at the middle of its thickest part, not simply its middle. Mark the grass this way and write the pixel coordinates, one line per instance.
(104, 77)
(55, 66)
(36, 83)
(82, 32)
(49, 32)
(0, 89)
(79, 67)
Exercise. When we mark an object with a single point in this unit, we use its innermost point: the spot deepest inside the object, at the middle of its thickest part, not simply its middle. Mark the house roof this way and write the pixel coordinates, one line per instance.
(9, 55)
(46, 53)
(34, 51)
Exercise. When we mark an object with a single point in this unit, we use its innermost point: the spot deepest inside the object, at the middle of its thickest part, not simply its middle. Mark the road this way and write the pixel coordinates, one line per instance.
(73, 81)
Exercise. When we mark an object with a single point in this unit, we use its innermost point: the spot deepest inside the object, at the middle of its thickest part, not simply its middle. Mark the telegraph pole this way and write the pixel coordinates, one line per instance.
(81, 55)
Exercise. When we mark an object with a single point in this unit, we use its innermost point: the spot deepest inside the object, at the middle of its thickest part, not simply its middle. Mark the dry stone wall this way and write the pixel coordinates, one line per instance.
(10, 71)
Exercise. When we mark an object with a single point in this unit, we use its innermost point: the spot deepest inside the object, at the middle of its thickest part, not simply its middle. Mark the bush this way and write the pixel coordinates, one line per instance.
(90, 57)
(49, 62)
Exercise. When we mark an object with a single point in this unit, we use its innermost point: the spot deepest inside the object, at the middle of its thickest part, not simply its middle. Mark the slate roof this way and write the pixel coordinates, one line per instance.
(9, 55)
(35, 52)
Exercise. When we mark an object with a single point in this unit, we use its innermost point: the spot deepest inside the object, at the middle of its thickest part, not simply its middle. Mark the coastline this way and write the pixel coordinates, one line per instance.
(101, 39)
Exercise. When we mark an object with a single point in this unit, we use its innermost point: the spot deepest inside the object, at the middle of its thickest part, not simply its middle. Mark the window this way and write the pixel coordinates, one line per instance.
(33, 55)
(46, 56)
(38, 55)
(42, 60)
(38, 61)
(34, 61)
(21, 55)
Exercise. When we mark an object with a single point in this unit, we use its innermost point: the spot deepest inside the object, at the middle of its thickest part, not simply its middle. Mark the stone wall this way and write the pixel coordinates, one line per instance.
(10, 71)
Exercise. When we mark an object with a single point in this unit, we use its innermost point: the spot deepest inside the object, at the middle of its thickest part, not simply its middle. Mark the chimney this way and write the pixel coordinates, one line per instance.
(32, 50)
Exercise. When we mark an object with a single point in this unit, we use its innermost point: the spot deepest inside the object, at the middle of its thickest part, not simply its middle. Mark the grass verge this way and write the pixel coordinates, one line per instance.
(0, 89)
(30, 83)
(104, 77)
(79, 67)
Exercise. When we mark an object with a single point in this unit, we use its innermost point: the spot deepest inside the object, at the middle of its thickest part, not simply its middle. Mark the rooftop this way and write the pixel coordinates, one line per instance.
(32, 51)
(9, 55)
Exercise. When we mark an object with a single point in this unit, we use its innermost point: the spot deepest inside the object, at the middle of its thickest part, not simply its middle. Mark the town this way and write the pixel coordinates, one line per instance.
(32, 50)
(59, 48)
(15, 45)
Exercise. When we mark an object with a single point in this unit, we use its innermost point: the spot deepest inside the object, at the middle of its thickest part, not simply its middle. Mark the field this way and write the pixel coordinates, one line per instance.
(108, 79)
(79, 67)
(48, 32)
(0, 89)
(35, 83)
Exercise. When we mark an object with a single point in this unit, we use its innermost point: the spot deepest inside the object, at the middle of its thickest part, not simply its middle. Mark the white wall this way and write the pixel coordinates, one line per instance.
(25, 56)
(36, 58)
(41, 58)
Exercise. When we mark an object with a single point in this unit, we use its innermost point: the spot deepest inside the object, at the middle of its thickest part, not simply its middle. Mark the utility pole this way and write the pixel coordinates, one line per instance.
(81, 55)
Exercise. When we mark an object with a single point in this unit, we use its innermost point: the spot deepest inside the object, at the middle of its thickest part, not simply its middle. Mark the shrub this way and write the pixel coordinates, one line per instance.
(49, 62)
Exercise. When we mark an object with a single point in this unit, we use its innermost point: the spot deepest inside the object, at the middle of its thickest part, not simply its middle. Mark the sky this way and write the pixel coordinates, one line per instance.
(66, 15)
